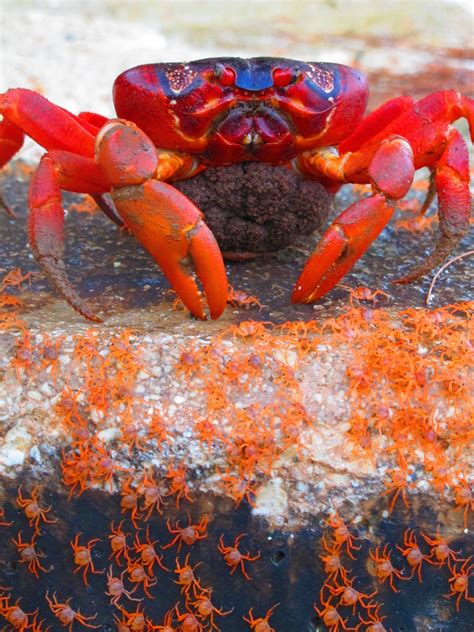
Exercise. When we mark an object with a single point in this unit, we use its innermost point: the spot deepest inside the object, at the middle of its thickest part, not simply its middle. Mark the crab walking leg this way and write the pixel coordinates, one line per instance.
(391, 171)
(164, 220)
(454, 203)
(46, 218)
(51, 126)
(11, 139)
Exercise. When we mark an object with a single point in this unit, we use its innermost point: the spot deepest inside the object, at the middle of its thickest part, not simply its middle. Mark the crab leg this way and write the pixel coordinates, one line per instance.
(454, 203)
(358, 226)
(49, 125)
(59, 170)
(164, 220)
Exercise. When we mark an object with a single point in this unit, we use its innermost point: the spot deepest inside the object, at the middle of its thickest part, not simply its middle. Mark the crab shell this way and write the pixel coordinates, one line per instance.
(231, 110)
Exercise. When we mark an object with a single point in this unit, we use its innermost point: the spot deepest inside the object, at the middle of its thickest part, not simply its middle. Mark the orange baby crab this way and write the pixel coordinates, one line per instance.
(342, 535)
(332, 562)
(440, 549)
(148, 554)
(167, 625)
(83, 558)
(189, 535)
(398, 484)
(32, 510)
(233, 557)
(374, 622)
(240, 298)
(464, 498)
(261, 624)
(17, 617)
(129, 501)
(350, 596)
(330, 615)
(117, 589)
(358, 294)
(459, 581)
(118, 543)
(189, 622)
(67, 615)
(131, 621)
(152, 494)
(205, 609)
(178, 485)
(186, 578)
(412, 553)
(137, 575)
(383, 567)
(29, 555)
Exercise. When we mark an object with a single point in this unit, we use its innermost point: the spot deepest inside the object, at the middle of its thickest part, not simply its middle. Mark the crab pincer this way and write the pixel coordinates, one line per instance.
(165, 222)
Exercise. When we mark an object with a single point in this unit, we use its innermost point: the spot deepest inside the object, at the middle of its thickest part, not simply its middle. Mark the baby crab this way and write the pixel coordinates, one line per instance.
(384, 568)
(67, 615)
(83, 558)
(261, 624)
(412, 553)
(32, 509)
(29, 555)
(233, 557)
(189, 535)
(459, 581)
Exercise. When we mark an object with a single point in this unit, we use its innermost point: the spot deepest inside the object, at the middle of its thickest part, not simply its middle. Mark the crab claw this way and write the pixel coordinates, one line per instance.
(173, 231)
(162, 218)
(341, 246)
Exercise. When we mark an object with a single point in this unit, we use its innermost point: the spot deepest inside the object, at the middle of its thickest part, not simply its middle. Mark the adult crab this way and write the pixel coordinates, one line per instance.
(178, 119)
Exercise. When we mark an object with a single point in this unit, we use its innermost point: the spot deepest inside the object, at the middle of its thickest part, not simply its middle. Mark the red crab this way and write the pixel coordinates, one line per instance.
(177, 119)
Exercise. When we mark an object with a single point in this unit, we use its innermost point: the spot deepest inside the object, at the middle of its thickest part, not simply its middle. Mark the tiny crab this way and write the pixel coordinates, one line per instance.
(187, 535)
(186, 578)
(374, 622)
(32, 509)
(459, 581)
(131, 621)
(332, 562)
(67, 615)
(147, 552)
(116, 588)
(16, 616)
(178, 484)
(118, 543)
(178, 119)
(358, 294)
(330, 615)
(29, 555)
(341, 534)
(412, 553)
(205, 609)
(83, 558)
(152, 494)
(440, 549)
(261, 623)
(189, 622)
(233, 557)
(350, 596)
(384, 568)
(138, 575)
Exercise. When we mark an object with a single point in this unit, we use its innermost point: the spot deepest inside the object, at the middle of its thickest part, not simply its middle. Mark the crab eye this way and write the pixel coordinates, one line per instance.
(225, 75)
(282, 77)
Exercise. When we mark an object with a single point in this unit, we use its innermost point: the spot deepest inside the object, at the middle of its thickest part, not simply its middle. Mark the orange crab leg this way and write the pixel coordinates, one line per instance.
(49, 125)
(46, 218)
(164, 220)
(454, 203)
